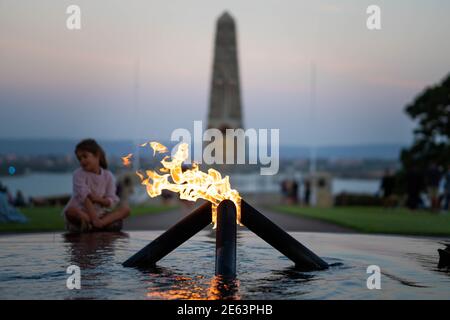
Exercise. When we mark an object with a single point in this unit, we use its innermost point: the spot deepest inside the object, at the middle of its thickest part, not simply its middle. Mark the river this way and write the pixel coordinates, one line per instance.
(42, 184)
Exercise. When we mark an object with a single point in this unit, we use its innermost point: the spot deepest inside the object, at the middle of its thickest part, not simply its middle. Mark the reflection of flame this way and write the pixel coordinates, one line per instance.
(126, 160)
(187, 288)
(223, 289)
(192, 184)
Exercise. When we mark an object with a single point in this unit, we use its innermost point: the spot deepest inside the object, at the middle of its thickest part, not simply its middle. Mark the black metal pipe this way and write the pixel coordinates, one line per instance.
(172, 238)
(304, 259)
(226, 240)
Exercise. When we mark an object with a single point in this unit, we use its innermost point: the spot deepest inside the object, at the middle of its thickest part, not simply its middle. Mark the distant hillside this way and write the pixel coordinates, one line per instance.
(388, 151)
(32, 147)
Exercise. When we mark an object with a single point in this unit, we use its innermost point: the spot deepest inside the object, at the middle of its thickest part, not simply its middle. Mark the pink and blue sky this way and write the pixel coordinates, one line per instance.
(56, 83)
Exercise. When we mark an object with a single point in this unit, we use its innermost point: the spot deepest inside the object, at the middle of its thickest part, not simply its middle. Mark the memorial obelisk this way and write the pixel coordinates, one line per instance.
(225, 96)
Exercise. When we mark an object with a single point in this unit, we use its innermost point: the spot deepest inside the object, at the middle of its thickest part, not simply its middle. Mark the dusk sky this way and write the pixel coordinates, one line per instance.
(57, 83)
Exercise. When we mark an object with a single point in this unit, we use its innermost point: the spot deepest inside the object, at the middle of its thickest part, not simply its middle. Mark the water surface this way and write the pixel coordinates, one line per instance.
(34, 267)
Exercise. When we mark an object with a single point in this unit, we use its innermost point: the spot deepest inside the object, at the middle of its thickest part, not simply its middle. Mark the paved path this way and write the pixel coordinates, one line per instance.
(288, 222)
(154, 221)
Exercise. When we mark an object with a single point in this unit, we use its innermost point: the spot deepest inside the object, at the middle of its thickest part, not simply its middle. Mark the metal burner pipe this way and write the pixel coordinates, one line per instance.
(304, 259)
(226, 239)
(172, 238)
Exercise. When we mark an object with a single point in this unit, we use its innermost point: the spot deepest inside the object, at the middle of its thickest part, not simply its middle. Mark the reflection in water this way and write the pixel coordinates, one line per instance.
(292, 273)
(444, 257)
(224, 289)
(211, 233)
(89, 250)
(277, 283)
(33, 266)
(92, 252)
(165, 284)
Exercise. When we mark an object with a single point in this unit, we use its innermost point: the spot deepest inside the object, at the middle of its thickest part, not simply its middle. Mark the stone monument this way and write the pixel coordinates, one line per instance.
(225, 110)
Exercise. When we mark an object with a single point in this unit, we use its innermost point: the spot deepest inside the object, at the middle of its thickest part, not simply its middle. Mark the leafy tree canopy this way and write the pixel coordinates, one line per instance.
(431, 111)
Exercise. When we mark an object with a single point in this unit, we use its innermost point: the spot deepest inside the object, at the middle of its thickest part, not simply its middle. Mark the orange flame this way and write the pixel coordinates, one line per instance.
(126, 160)
(192, 184)
(156, 146)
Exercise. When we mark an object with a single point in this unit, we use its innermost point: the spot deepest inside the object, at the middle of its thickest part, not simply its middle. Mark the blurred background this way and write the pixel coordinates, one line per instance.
(363, 115)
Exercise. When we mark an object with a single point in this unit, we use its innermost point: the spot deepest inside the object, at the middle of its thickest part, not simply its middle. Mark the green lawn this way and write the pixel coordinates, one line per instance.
(44, 219)
(378, 220)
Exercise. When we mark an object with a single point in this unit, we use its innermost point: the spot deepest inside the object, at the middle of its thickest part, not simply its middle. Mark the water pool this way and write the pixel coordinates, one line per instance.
(33, 266)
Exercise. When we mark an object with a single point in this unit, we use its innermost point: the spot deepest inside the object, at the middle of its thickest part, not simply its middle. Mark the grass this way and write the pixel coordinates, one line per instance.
(46, 219)
(144, 210)
(378, 220)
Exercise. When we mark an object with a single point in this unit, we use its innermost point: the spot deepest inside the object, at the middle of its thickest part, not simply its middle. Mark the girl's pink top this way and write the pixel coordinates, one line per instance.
(85, 183)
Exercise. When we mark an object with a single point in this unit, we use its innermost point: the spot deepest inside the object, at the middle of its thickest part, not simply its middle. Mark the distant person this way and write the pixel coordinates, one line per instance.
(447, 189)
(166, 196)
(387, 189)
(3, 188)
(19, 201)
(7, 211)
(433, 178)
(94, 193)
(288, 186)
(9, 196)
(289, 190)
(125, 190)
(307, 192)
(294, 192)
(284, 190)
(414, 187)
(5, 191)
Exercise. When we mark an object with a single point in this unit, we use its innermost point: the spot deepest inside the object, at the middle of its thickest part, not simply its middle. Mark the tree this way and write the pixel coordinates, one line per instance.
(431, 110)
